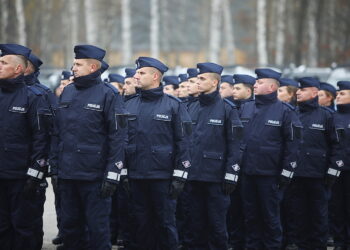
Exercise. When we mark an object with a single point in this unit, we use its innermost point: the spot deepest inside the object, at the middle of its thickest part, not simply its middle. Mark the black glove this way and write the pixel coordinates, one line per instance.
(283, 182)
(54, 182)
(108, 188)
(228, 187)
(330, 180)
(30, 188)
(126, 185)
(176, 187)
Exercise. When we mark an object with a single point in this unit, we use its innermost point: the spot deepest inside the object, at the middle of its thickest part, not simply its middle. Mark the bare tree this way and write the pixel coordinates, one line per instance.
(91, 21)
(312, 33)
(154, 36)
(21, 26)
(126, 32)
(229, 34)
(215, 31)
(280, 36)
(4, 19)
(261, 33)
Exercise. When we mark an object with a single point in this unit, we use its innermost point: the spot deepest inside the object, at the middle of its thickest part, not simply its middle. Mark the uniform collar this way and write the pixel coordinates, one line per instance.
(192, 98)
(152, 94)
(308, 105)
(184, 99)
(343, 108)
(266, 99)
(12, 84)
(128, 97)
(88, 80)
(30, 79)
(207, 99)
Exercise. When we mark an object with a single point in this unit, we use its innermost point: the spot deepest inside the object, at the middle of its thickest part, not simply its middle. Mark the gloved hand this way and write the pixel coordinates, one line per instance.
(228, 187)
(283, 182)
(107, 189)
(54, 182)
(176, 187)
(330, 180)
(126, 185)
(30, 188)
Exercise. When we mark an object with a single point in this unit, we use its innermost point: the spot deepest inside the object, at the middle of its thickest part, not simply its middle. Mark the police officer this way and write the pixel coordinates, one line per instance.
(341, 188)
(183, 88)
(193, 90)
(317, 168)
(215, 157)
(23, 151)
(170, 85)
(65, 80)
(326, 95)
(157, 157)
(130, 84)
(92, 131)
(287, 91)
(117, 81)
(243, 97)
(269, 148)
(226, 87)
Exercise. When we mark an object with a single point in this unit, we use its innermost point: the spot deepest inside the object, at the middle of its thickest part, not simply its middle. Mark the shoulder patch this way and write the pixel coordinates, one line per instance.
(115, 90)
(35, 90)
(289, 105)
(328, 109)
(230, 103)
(174, 97)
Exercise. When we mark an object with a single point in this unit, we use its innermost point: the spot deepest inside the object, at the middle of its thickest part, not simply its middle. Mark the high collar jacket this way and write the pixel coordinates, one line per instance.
(342, 123)
(318, 148)
(272, 133)
(23, 128)
(92, 130)
(216, 137)
(159, 129)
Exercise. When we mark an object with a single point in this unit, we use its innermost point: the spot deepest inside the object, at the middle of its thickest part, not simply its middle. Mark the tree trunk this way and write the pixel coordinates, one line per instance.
(313, 37)
(215, 31)
(4, 20)
(261, 33)
(21, 28)
(91, 21)
(154, 36)
(126, 32)
(229, 33)
(280, 36)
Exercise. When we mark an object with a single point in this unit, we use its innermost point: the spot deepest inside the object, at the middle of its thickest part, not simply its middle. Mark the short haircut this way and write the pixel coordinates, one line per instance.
(94, 61)
(21, 60)
(249, 86)
(215, 76)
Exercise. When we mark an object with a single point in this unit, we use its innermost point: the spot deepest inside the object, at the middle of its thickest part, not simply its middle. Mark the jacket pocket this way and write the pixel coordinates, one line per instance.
(162, 157)
(89, 156)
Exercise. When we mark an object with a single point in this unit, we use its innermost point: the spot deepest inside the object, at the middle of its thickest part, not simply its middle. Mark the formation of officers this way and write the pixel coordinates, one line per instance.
(235, 162)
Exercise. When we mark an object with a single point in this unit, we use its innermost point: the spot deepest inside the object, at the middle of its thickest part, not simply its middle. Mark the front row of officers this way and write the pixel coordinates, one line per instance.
(201, 172)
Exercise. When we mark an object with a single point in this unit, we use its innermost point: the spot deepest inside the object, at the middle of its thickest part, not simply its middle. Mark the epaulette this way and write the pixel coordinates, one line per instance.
(35, 90)
(174, 97)
(115, 90)
(230, 103)
(289, 105)
(328, 109)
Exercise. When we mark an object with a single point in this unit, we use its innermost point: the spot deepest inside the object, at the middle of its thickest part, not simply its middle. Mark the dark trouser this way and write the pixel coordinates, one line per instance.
(235, 220)
(341, 220)
(58, 209)
(288, 216)
(207, 218)
(310, 203)
(154, 214)
(114, 218)
(39, 213)
(261, 202)
(84, 212)
(182, 215)
(18, 217)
